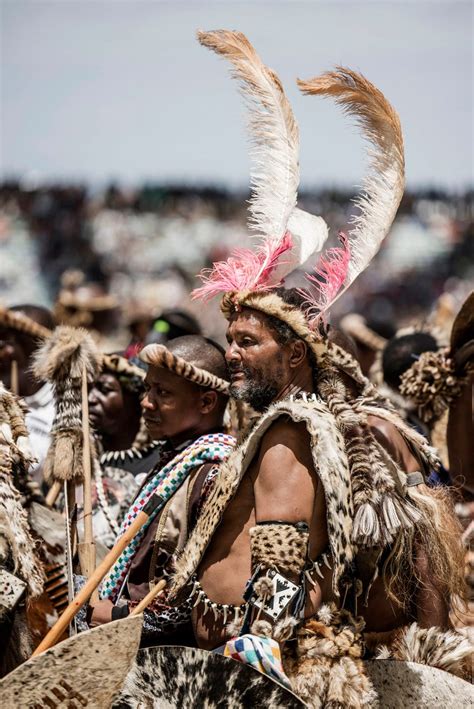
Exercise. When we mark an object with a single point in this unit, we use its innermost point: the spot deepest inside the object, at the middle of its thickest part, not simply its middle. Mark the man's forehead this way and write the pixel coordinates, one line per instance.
(161, 375)
(248, 318)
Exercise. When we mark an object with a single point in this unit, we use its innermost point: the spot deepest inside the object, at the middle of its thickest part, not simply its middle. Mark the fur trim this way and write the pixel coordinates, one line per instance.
(16, 320)
(262, 628)
(446, 650)
(233, 629)
(61, 360)
(264, 587)
(160, 356)
(325, 614)
(284, 629)
(280, 546)
(356, 326)
(122, 368)
(431, 384)
(272, 304)
(329, 458)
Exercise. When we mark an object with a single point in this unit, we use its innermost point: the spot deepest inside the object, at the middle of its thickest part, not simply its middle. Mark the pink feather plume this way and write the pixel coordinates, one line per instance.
(330, 275)
(245, 269)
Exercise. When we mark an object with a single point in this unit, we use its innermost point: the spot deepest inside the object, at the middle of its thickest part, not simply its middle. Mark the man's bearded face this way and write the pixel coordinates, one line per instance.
(255, 360)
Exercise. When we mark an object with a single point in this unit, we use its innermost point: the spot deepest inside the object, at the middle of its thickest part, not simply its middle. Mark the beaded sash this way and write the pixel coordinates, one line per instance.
(211, 448)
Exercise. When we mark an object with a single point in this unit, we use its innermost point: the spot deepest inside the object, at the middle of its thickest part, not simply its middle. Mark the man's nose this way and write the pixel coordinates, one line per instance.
(232, 353)
(147, 404)
(92, 398)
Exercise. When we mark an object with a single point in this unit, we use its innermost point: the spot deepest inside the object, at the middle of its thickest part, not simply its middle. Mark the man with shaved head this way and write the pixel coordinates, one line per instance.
(184, 405)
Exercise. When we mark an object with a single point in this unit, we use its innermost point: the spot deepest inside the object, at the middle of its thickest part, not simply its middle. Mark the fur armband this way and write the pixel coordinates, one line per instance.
(279, 545)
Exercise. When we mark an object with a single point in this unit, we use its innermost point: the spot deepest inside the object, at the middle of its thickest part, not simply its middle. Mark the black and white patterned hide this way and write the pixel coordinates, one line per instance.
(402, 685)
(87, 670)
(166, 677)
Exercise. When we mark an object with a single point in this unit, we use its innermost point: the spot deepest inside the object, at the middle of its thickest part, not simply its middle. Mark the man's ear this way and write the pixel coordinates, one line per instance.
(208, 401)
(297, 353)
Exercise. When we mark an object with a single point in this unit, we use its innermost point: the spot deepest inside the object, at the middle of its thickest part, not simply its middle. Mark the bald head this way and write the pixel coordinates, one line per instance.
(201, 352)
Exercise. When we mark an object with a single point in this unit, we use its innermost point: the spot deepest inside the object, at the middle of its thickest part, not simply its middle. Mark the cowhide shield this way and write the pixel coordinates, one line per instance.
(187, 677)
(87, 670)
(401, 685)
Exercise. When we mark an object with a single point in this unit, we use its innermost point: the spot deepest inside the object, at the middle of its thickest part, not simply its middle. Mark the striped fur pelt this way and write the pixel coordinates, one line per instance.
(61, 361)
(447, 650)
(22, 323)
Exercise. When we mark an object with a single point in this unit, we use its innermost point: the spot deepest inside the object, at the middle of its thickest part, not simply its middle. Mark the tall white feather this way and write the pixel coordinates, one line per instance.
(274, 133)
(384, 185)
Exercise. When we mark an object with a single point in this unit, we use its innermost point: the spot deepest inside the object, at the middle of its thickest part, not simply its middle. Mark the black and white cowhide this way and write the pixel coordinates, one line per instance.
(166, 677)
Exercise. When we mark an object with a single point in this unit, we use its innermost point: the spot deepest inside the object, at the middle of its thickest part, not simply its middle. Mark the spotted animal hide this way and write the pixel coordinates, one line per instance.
(189, 677)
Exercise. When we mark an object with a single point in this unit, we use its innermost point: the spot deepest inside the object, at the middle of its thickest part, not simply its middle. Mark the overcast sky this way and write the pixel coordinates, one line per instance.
(121, 89)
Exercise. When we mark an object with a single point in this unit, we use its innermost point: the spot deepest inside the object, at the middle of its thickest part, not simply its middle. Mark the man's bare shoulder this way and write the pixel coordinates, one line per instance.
(391, 439)
(284, 476)
(286, 433)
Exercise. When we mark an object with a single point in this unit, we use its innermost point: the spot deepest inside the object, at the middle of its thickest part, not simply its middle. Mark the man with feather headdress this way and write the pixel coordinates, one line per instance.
(320, 523)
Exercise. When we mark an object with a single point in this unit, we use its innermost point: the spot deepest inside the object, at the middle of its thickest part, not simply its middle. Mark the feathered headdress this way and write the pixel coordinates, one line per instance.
(289, 236)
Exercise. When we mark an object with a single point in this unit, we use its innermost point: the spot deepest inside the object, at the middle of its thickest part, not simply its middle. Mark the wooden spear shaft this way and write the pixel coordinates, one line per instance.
(93, 582)
(14, 386)
(150, 596)
(87, 548)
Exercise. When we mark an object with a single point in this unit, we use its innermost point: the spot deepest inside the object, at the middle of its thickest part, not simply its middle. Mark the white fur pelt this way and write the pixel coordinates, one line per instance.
(17, 548)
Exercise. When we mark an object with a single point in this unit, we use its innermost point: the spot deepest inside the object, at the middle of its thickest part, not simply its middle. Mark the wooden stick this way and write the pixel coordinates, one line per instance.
(14, 386)
(92, 583)
(150, 596)
(86, 463)
(87, 554)
(53, 494)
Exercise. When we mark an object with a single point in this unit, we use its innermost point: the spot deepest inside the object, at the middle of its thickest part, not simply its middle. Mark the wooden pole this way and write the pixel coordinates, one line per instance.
(93, 582)
(53, 494)
(14, 385)
(150, 596)
(87, 548)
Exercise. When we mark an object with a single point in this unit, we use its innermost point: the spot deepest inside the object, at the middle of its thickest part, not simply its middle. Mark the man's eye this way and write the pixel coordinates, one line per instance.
(247, 342)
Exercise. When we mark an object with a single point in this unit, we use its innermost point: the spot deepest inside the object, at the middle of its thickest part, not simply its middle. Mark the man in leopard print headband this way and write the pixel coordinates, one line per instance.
(320, 523)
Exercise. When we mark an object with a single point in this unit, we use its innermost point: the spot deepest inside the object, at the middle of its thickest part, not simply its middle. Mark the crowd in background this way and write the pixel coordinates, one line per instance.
(144, 246)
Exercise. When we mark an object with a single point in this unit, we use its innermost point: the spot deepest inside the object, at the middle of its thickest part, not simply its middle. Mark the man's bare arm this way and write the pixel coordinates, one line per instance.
(285, 482)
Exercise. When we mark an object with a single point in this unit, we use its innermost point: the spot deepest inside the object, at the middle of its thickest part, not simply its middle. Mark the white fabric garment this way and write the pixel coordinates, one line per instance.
(39, 420)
